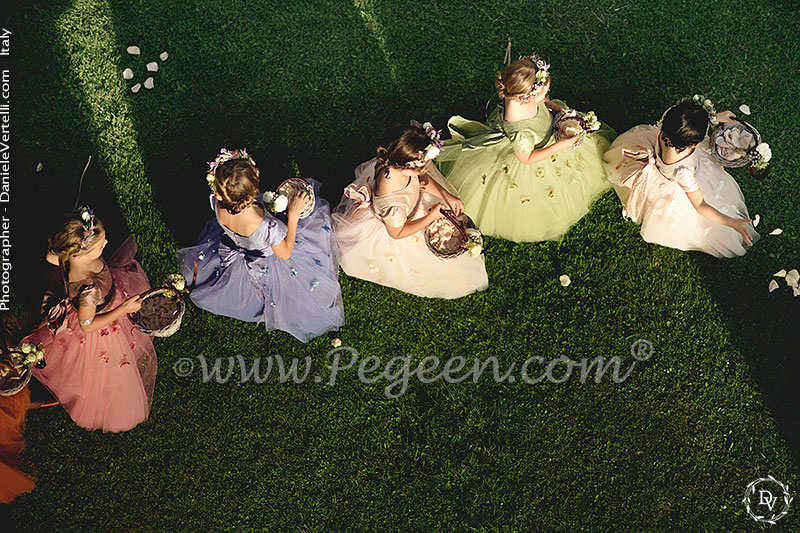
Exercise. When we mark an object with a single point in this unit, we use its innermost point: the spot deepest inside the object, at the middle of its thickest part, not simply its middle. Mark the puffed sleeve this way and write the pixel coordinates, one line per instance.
(90, 295)
(394, 216)
(277, 231)
(523, 141)
(684, 176)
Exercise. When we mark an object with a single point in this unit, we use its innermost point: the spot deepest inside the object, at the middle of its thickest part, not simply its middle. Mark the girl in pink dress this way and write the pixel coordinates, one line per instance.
(99, 366)
(669, 184)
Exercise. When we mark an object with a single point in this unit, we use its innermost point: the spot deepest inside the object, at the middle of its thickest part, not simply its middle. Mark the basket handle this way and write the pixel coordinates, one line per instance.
(457, 223)
(747, 127)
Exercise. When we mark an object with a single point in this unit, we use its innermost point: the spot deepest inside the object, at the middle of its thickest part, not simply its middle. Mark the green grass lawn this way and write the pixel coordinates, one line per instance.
(308, 87)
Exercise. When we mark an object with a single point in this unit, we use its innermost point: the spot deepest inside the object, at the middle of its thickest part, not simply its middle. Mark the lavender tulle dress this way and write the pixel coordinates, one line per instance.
(241, 277)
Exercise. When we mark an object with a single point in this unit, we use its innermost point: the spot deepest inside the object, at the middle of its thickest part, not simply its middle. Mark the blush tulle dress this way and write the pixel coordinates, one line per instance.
(241, 277)
(653, 194)
(369, 252)
(513, 200)
(103, 379)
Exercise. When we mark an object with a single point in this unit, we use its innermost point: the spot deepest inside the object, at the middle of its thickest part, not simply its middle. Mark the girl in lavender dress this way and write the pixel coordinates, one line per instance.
(670, 185)
(251, 266)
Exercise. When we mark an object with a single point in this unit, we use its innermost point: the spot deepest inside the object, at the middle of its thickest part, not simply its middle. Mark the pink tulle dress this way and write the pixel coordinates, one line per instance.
(104, 379)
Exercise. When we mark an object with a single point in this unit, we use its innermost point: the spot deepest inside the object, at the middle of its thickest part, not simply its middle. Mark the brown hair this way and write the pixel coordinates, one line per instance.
(67, 240)
(684, 125)
(237, 184)
(401, 145)
(518, 78)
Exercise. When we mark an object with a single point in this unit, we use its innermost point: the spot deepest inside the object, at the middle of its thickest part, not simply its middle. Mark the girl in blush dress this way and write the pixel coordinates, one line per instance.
(380, 220)
(251, 266)
(99, 366)
(670, 185)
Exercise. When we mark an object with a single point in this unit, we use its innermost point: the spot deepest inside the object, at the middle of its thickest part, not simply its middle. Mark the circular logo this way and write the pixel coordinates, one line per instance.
(767, 500)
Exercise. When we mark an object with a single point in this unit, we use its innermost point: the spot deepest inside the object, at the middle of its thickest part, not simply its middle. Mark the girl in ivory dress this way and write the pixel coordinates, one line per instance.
(670, 185)
(380, 220)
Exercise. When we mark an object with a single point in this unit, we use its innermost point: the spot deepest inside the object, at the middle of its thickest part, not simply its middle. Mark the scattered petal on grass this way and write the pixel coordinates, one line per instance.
(336, 342)
(796, 291)
(773, 285)
(148, 83)
(744, 108)
(792, 277)
(779, 274)
(134, 50)
(152, 66)
(776, 231)
(564, 279)
(136, 87)
(163, 56)
(39, 167)
(127, 74)
(756, 220)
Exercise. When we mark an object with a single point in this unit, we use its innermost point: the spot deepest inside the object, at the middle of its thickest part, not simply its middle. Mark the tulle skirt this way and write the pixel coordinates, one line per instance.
(13, 481)
(369, 252)
(103, 379)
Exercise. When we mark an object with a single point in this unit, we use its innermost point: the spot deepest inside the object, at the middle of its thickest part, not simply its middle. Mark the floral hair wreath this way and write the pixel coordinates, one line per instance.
(224, 156)
(542, 77)
(706, 104)
(433, 148)
(89, 222)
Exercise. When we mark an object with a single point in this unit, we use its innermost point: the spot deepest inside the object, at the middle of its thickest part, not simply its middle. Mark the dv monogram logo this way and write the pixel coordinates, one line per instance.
(770, 491)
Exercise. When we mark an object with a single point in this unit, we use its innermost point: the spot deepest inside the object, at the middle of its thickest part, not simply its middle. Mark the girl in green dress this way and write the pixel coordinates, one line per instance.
(515, 179)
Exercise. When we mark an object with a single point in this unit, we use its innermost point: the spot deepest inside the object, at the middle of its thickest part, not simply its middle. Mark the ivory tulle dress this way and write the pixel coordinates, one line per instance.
(653, 194)
(509, 199)
(369, 252)
(103, 379)
(241, 277)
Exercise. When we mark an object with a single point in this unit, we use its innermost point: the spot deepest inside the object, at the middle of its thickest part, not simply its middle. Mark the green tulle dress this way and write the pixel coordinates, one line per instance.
(507, 198)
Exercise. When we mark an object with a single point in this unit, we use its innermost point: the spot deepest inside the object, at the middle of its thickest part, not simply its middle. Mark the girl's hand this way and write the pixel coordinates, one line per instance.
(726, 116)
(300, 200)
(133, 304)
(567, 142)
(456, 205)
(435, 211)
(742, 225)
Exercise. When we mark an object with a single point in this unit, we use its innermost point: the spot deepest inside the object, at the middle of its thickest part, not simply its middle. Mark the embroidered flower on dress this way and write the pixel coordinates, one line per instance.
(390, 258)
(104, 332)
(505, 168)
(553, 158)
(540, 172)
(293, 271)
(83, 341)
(483, 179)
(373, 268)
(512, 185)
(415, 239)
(115, 327)
(326, 227)
(123, 363)
(523, 200)
(133, 345)
(314, 284)
(551, 193)
(414, 271)
(317, 261)
(104, 356)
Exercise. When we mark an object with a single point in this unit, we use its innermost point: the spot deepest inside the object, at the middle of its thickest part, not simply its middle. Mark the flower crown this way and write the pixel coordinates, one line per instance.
(89, 222)
(542, 76)
(706, 104)
(433, 148)
(226, 155)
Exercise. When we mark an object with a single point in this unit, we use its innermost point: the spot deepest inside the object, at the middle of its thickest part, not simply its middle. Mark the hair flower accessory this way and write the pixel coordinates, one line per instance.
(432, 150)
(225, 155)
(275, 202)
(89, 223)
(542, 77)
(706, 104)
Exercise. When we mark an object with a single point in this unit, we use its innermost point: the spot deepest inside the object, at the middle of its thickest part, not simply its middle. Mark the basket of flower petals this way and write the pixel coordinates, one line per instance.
(450, 236)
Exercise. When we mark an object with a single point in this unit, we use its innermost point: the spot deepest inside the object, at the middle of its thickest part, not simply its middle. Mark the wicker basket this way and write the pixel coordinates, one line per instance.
(288, 187)
(16, 379)
(561, 120)
(161, 323)
(720, 131)
(464, 229)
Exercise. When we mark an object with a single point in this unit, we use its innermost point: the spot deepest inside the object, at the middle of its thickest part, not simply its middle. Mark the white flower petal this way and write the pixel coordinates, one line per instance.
(134, 50)
(136, 88)
(127, 74)
(779, 274)
(773, 285)
(776, 231)
(39, 167)
(336, 342)
(796, 291)
(148, 83)
(744, 108)
(792, 277)
(564, 279)
(152, 66)
(163, 56)
(756, 220)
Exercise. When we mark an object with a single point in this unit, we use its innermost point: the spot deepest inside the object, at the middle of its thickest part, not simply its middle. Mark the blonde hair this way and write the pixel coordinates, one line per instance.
(237, 184)
(70, 237)
(400, 145)
(517, 79)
